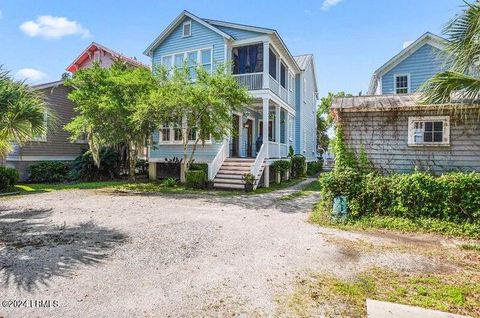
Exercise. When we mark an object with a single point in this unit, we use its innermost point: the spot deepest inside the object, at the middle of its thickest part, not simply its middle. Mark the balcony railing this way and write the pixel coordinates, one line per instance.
(283, 93)
(251, 81)
(274, 87)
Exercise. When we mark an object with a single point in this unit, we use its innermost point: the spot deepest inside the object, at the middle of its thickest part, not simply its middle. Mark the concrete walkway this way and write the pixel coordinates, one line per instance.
(382, 309)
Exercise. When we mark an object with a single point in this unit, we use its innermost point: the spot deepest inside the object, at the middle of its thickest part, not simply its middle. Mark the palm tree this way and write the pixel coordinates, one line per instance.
(21, 113)
(462, 81)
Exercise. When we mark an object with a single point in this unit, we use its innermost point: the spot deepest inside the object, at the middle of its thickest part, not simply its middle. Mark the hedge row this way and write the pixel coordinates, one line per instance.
(452, 197)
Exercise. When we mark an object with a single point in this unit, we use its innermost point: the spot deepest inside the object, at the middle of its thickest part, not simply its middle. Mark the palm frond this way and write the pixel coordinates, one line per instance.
(451, 87)
(464, 42)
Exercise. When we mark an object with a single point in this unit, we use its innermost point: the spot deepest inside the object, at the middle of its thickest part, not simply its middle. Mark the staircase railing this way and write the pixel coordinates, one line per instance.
(257, 165)
(217, 162)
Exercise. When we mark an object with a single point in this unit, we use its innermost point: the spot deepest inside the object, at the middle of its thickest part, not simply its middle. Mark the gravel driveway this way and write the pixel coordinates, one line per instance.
(99, 254)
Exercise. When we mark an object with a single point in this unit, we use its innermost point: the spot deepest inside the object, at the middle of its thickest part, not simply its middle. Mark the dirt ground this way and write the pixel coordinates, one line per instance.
(101, 254)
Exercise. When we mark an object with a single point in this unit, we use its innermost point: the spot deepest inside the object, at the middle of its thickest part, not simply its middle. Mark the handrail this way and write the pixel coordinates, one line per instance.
(217, 162)
(257, 165)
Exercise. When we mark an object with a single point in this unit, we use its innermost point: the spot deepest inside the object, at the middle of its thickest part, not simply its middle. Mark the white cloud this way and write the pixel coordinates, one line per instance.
(407, 44)
(49, 27)
(327, 4)
(30, 75)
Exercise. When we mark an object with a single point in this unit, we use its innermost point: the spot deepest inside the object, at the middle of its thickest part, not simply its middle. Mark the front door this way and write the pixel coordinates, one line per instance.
(234, 144)
(249, 141)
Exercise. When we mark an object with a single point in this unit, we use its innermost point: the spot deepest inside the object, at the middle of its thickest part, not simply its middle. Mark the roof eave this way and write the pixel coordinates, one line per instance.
(174, 23)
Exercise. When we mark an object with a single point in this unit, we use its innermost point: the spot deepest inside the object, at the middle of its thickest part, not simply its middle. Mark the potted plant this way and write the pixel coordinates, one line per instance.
(249, 180)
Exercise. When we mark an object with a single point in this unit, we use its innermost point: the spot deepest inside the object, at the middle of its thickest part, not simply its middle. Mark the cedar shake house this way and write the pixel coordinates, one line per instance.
(55, 144)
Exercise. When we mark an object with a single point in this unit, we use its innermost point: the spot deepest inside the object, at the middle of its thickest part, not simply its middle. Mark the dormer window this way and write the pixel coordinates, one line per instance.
(402, 84)
(187, 29)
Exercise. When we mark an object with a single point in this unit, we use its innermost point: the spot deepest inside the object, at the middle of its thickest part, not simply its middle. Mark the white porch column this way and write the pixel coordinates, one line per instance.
(266, 174)
(287, 130)
(266, 67)
(277, 129)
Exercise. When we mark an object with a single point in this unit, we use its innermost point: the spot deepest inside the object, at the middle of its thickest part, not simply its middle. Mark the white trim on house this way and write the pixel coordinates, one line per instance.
(47, 85)
(413, 131)
(395, 83)
(40, 158)
(427, 38)
(175, 23)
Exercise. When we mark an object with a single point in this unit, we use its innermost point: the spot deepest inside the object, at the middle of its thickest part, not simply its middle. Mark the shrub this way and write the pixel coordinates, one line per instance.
(169, 182)
(453, 197)
(196, 179)
(141, 167)
(48, 171)
(299, 166)
(281, 165)
(199, 166)
(8, 178)
(314, 167)
(109, 166)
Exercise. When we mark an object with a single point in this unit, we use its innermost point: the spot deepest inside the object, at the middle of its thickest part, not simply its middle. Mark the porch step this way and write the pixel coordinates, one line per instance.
(230, 174)
(228, 186)
(229, 181)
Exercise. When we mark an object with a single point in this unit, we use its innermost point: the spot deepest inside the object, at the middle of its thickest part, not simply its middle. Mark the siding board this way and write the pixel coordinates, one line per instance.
(385, 138)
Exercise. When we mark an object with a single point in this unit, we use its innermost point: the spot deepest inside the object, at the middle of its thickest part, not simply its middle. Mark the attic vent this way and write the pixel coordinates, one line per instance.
(187, 28)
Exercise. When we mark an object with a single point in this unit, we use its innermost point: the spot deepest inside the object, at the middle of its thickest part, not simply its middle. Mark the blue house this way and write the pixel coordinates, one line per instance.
(398, 132)
(409, 69)
(284, 88)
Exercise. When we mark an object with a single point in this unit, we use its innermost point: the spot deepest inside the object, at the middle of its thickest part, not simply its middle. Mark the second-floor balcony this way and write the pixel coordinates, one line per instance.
(250, 70)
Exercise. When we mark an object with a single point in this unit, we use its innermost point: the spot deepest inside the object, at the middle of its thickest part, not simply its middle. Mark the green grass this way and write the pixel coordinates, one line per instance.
(458, 294)
(140, 187)
(471, 247)
(423, 225)
(307, 190)
(49, 187)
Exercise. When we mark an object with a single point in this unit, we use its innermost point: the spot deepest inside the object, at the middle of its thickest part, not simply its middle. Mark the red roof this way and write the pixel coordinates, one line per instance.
(88, 53)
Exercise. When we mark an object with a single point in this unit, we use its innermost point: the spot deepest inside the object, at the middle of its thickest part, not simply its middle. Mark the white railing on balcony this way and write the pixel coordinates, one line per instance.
(283, 150)
(257, 165)
(283, 94)
(251, 81)
(273, 85)
(291, 98)
(277, 150)
(217, 162)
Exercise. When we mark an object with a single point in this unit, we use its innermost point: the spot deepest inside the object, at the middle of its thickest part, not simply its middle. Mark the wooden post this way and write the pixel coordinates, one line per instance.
(152, 171)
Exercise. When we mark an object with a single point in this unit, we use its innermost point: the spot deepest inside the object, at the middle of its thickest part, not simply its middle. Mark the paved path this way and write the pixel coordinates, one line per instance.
(108, 255)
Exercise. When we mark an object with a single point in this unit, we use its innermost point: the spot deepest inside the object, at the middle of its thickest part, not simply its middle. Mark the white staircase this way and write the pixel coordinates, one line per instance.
(230, 174)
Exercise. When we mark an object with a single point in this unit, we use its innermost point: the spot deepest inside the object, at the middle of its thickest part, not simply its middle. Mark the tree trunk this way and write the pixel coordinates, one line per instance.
(132, 161)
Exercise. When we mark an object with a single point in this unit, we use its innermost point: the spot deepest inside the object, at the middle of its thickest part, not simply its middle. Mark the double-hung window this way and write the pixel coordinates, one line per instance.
(165, 133)
(206, 60)
(402, 84)
(187, 29)
(431, 130)
(192, 58)
(179, 60)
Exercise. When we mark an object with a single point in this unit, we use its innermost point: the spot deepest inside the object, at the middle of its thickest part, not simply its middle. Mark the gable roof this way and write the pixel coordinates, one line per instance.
(303, 61)
(427, 38)
(213, 25)
(176, 23)
(85, 55)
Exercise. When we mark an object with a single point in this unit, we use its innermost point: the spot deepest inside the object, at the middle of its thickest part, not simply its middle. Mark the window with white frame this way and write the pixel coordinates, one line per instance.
(172, 134)
(429, 130)
(202, 57)
(187, 29)
(43, 137)
(402, 84)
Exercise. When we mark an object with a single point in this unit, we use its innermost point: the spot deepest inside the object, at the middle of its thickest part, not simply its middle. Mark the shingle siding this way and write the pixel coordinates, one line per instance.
(422, 65)
(385, 138)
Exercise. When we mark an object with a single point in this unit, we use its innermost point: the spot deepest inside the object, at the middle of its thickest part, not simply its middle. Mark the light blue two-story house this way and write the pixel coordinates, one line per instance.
(284, 88)
(398, 132)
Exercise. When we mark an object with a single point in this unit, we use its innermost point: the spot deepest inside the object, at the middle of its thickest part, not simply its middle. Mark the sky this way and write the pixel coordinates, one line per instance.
(350, 39)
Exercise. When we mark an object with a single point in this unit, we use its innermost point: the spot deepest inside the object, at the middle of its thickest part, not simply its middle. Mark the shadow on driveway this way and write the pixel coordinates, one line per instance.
(34, 251)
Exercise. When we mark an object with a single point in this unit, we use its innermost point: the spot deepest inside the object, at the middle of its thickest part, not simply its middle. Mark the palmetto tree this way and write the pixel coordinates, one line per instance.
(462, 80)
(21, 113)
